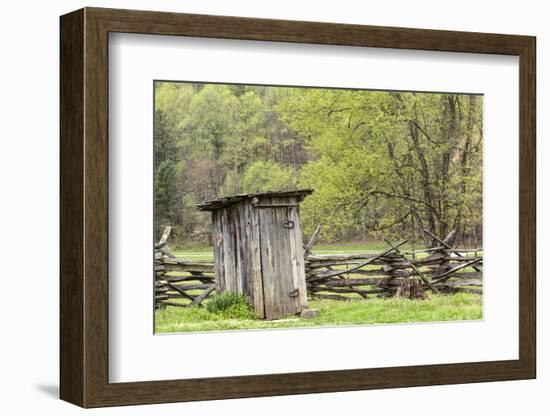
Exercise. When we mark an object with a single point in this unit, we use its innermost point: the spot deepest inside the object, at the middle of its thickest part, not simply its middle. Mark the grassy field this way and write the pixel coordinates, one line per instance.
(455, 307)
(206, 253)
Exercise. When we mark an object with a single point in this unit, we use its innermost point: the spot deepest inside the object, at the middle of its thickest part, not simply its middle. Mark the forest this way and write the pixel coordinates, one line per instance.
(381, 163)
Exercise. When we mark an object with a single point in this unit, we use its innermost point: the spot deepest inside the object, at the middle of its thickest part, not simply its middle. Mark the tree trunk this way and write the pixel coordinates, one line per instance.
(412, 289)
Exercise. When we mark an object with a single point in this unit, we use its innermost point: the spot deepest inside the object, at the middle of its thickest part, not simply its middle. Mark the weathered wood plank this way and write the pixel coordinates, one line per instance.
(203, 295)
(352, 282)
(366, 263)
(346, 290)
(309, 245)
(217, 238)
(177, 279)
(334, 297)
(335, 257)
(462, 282)
(179, 305)
(237, 245)
(191, 265)
(162, 242)
(180, 291)
(244, 252)
(284, 263)
(300, 276)
(166, 252)
(188, 286)
(449, 273)
(256, 263)
(323, 273)
(447, 245)
(271, 289)
(271, 262)
(228, 252)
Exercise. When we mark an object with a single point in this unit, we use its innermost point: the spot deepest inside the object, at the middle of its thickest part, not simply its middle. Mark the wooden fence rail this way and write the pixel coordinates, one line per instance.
(345, 277)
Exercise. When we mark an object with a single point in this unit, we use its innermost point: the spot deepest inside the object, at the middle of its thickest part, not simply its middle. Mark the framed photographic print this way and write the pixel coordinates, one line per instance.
(255, 207)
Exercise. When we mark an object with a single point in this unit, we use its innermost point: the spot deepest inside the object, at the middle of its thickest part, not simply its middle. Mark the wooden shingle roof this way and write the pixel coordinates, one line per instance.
(233, 199)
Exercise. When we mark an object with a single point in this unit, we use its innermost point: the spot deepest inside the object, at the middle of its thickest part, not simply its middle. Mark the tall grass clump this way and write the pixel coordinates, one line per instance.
(230, 306)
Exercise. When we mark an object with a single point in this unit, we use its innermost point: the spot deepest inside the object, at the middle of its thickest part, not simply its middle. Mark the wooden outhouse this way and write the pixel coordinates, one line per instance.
(258, 250)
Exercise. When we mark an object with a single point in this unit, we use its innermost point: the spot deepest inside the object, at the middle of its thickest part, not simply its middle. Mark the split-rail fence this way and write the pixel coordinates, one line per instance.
(344, 277)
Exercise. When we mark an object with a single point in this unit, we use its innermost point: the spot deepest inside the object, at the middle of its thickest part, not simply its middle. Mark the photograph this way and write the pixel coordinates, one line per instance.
(292, 207)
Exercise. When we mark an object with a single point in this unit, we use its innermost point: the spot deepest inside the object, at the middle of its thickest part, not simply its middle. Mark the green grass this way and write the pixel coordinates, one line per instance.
(228, 305)
(350, 248)
(200, 253)
(207, 254)
(456, 307)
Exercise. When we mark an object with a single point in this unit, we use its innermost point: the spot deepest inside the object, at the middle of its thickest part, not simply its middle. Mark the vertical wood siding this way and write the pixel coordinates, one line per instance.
(257, 257)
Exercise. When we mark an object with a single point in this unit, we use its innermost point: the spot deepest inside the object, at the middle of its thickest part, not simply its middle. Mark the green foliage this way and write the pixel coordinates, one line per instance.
(390, 162)
(381, 163)
(263, 176)
(229, 306)
(166, 191)
(165, 142)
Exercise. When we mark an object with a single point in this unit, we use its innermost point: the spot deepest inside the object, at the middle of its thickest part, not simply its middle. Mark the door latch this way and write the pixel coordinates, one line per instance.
(288, 224)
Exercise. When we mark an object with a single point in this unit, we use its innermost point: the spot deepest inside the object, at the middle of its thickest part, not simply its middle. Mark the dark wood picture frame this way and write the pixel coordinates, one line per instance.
(84, 207)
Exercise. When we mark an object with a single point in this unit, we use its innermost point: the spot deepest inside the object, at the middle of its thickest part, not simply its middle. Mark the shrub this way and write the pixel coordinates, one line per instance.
(230, 306)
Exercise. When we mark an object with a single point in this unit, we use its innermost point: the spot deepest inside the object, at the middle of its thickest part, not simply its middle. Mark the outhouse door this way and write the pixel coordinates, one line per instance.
(281, 252)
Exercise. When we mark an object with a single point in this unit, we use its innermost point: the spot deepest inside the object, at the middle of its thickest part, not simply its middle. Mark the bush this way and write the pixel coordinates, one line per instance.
(230, 306)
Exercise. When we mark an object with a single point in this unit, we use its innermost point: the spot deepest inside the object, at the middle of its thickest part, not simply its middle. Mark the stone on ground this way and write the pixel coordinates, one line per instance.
(309, 313)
